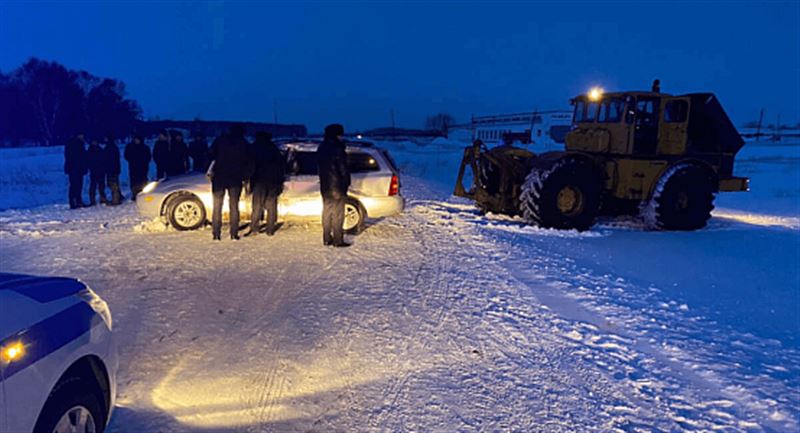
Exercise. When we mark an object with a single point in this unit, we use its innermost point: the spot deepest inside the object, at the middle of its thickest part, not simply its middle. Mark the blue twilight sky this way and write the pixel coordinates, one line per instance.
(353, 62)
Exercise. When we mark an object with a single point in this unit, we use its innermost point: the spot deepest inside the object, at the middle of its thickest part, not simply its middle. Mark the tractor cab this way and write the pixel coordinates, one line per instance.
(631, 123)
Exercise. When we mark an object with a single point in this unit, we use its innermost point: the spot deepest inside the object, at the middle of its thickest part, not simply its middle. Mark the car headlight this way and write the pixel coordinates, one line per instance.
(98, 305)
(150, 187)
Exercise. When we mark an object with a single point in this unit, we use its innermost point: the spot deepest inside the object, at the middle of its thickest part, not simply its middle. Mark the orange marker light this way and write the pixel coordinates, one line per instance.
(13, 352)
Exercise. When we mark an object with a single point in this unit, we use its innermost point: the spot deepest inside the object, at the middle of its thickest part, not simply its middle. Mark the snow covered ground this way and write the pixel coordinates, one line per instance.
(439, 319)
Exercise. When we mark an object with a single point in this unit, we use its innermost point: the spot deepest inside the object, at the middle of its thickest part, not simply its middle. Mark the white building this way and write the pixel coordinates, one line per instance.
(543, 127)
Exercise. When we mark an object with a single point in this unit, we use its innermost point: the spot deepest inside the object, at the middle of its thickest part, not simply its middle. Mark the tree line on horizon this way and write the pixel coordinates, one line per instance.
(45, 103)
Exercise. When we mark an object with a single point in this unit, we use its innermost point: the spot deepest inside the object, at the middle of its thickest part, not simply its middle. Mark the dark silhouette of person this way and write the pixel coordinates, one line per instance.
(266, 183)
(231, 167)
(112, 169)
(656, 86)
(138, 156)
(178, 155)
(161, 154)
(198, 151)
(334, 180)
(96, 160)
(75, 168)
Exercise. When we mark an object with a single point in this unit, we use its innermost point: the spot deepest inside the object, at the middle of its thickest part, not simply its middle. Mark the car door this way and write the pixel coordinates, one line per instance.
(301, 196)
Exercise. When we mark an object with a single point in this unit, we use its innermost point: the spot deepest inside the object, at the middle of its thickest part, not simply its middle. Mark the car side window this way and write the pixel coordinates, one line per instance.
(305, 163)
(359, 162)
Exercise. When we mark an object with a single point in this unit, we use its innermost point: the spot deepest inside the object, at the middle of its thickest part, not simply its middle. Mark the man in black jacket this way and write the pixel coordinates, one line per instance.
(334, 180)
(266, 184)
(231, 167)
(198, 151)
(138, 156)
(96, 160)
(161, 154)
(75, 168)
(178, 155)
(112, 169)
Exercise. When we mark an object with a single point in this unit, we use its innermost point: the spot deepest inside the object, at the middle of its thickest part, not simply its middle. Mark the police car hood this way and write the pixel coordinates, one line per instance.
(26, 299)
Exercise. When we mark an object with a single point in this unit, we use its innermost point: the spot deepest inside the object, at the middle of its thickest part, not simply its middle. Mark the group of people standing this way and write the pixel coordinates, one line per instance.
(231, 163)
(101, 161)
(236, 162)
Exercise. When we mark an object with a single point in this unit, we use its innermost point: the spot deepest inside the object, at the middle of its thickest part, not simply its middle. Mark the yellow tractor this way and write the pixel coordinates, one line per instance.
(652, 153)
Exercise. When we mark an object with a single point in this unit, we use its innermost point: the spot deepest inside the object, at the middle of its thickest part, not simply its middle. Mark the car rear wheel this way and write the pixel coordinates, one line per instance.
(73, 406)
(186, 212)
(354, 216)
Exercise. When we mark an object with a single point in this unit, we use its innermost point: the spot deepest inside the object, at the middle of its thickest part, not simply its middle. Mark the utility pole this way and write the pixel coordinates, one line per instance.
(760, 121)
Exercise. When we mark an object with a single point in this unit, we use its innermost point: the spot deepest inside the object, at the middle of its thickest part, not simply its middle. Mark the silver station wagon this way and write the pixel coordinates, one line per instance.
(185, 201)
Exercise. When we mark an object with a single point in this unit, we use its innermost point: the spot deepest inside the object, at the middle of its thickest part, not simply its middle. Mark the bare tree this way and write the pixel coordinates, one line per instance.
(440, 122)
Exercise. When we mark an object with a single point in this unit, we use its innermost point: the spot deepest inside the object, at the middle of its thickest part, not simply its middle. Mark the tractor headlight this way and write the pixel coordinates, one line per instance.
(98, 305)
(150, 187)
(595, 93)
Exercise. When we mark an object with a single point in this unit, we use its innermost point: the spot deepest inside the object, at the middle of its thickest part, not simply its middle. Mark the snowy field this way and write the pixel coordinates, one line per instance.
(438, 320)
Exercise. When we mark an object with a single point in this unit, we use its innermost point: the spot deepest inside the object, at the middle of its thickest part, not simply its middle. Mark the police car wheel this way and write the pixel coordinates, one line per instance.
(72, 407)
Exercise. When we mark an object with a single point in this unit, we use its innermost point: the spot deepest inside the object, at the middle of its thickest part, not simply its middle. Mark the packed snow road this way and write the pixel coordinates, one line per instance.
(437, 320)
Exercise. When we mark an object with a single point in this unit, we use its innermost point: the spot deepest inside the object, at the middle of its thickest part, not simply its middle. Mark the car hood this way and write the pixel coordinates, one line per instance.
(27, 299)
(40, 289)
(183, 182)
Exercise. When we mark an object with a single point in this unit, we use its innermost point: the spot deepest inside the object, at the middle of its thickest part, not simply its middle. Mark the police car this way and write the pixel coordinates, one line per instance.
(58, 362)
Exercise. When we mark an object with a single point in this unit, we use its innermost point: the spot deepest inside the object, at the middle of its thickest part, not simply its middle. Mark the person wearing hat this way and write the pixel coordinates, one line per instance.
(266, 184)
(198, 151)
(112, 168)
(161, 154)
(231, 167)
(96, 161)
(75, 168)
(178, 155)
(334, 181)
(138, 156)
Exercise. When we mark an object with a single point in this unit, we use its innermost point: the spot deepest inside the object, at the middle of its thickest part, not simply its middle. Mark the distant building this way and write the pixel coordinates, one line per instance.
(543, 127)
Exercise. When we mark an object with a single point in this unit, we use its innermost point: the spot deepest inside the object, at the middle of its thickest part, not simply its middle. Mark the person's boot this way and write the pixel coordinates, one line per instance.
(341, 244)
(217, 237)
(234, 237)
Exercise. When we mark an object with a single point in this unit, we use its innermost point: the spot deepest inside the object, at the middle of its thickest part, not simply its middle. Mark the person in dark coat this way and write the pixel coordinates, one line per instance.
(161, 154)
(178, 155)
(334, 180)
(266, 183)
(198, 151)
(96, 161)
(231, 166)
(138, 156)
(112, 169)
(75, 168)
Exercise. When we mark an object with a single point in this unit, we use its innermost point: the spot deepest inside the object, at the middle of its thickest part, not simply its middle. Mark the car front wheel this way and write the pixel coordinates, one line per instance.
(186, 212)
(71, 407)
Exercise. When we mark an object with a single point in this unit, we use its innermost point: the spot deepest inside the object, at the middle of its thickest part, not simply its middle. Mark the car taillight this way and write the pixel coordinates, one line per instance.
(394, 186)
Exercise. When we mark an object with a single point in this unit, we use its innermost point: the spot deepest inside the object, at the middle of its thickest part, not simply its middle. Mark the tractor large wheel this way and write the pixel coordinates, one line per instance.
(562, 194)
(682, 200)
